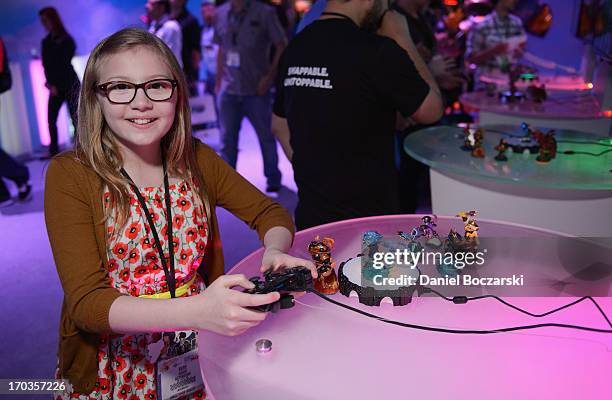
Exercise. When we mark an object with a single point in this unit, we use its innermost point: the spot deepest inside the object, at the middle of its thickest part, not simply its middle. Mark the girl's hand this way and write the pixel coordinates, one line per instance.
(222, 310)
(275, 259)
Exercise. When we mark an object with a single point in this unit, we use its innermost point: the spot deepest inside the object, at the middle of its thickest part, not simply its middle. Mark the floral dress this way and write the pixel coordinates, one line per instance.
(134, 268)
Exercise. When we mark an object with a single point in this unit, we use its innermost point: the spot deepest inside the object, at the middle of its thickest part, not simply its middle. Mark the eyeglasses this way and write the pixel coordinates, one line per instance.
(120, 92)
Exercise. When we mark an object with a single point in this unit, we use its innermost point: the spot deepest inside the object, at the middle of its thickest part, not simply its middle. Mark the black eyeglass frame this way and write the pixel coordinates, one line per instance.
(104, 89)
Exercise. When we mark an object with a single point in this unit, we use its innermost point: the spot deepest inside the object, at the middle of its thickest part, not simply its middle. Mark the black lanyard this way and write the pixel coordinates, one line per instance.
(170, 278)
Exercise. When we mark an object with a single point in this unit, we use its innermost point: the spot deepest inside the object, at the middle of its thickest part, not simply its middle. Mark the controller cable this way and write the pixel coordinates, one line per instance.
(586, 153)
(463, 300)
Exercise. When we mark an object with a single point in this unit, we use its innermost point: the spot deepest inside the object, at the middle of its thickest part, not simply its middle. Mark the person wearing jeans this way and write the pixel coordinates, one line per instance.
(258, 110)
(18, 173)
(246, 31)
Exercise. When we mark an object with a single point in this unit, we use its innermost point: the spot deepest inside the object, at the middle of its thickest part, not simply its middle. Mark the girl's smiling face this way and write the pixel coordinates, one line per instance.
(142, 122)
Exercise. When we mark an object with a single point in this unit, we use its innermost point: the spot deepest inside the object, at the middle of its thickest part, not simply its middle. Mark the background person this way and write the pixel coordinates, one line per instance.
(164, 27)
(58, 49)
(246, 31)
(488, 42)
(339, 91)
(209, 48)
(190, 49)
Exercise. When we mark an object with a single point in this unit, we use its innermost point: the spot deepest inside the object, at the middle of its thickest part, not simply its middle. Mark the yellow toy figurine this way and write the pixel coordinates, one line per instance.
(471, 227)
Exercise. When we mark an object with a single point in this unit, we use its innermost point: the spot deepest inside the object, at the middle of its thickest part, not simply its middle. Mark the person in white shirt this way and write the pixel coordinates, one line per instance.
(168, 30)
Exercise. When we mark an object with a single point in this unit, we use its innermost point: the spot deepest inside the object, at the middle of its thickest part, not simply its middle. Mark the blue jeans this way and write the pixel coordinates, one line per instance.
(258, 110)
(11, 169)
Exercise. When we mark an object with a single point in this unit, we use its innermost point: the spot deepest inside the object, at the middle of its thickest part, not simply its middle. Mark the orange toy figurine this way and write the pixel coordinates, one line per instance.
(320, 251)
(477, 150)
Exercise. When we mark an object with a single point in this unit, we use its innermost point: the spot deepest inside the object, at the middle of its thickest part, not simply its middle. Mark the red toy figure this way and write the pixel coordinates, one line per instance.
(477, 150)
(548, 146)
(501, 149)
(320, 251)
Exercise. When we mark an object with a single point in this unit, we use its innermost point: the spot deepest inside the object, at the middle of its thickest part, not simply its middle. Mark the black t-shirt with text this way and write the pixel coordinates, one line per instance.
(339, 87)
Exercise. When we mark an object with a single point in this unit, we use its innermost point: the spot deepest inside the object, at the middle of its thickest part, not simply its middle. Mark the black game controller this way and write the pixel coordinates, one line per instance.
(296, 279)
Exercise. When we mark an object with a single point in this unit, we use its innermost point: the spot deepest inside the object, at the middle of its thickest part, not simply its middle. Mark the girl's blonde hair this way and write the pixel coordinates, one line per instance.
(96, 145)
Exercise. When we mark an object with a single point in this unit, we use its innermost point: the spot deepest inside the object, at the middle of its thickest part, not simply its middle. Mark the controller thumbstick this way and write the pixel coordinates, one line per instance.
(286, 302)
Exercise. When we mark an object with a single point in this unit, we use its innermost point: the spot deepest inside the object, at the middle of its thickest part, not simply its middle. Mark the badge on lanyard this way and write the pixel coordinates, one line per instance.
(178, 367)
(233, 59)
(175, 354)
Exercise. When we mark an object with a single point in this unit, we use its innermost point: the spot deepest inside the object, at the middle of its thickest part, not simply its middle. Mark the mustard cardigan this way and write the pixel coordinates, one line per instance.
(74, 218)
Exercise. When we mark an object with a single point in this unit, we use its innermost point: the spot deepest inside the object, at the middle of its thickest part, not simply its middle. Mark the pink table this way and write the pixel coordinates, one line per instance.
(320, 351)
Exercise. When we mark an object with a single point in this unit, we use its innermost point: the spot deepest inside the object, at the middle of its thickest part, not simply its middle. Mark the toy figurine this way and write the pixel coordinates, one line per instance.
(501, 149)
(471, 227)
(453, 242)
(320, 251)
(468, 140)
(538, 93)
(477, 150)
(548, 146)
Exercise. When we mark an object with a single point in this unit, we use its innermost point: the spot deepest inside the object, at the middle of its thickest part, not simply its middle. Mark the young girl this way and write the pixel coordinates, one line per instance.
(135, 179)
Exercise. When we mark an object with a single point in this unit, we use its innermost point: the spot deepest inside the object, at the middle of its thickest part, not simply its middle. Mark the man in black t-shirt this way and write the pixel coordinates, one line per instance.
(339, 90)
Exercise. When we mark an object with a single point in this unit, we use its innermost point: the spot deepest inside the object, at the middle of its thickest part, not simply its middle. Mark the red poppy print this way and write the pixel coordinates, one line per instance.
(149, 367)
(104, 385)
(108, 369)
(132, 230)
(134, 268)
(141, 380)
(124, 274)
(101, 355)
(177, 221)
(151, 256)
(164, 232)
(191, 234)
(112, 265)
(134, 201)
(136, 358)
(155, 217)
(202, 230)
(124, 391)
(158, 202)
(120, 364)
(120, 250)
(128, 375)
(106, 199)
(183, 203)
(145, 243)
(141, 271)
(184, 256)
(201, 246)
(134, 256)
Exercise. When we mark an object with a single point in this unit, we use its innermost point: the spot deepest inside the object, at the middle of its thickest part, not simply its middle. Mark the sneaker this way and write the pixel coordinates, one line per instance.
(24, 192)
(6, 203)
